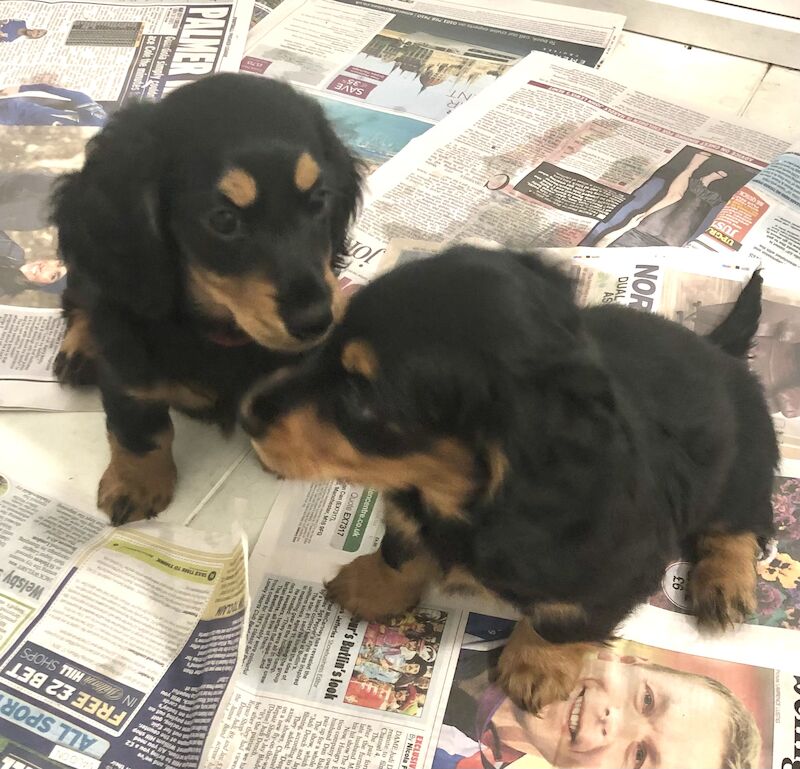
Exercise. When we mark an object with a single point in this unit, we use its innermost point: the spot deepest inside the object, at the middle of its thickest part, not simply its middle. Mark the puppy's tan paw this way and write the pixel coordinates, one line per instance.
(127, 497)
(722, 586)
(138, 486)
(370, 589)
(535, 676)
(720, 601)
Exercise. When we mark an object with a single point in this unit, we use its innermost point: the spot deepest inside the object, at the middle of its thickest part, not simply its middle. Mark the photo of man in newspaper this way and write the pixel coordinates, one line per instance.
(633, 706)
(395, 663)
(675, 204)
(775, 356)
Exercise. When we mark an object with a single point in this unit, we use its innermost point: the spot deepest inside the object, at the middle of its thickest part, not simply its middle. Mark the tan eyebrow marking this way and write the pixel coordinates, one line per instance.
(359, 358)
(306, 172)
(239, 187)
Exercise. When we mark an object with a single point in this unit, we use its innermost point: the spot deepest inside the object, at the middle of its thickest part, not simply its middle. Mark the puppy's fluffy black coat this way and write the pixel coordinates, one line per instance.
(199, 238)
(558, 457)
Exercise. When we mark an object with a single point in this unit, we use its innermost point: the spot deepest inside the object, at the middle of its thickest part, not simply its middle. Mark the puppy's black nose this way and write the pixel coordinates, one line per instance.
(309, 322)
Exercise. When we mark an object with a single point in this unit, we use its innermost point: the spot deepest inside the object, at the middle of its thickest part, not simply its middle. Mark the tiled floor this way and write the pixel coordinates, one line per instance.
(733, 85)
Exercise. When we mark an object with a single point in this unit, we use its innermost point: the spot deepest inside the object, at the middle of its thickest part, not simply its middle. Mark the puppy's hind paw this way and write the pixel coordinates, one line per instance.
(722, 585)
(721, 604)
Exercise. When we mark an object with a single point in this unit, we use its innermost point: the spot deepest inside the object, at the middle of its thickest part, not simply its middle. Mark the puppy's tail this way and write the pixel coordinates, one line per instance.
(735, 334)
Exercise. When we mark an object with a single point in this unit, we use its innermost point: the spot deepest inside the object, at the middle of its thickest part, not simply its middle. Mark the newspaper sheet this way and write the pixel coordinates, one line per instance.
(117, 646)
(557, 155)
(65, 67)
(417, 692)
(762, 219)
(386, 70)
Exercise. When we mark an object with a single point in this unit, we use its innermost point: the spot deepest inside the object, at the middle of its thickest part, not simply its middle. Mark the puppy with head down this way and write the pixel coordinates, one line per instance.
(199, 237)
(557, 457)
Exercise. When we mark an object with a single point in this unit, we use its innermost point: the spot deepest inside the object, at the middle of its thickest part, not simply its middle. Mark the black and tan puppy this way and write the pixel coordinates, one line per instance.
(199, 238)
(557, 457)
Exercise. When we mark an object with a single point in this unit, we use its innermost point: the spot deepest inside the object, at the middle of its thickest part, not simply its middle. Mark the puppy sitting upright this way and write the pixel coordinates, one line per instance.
(558, 457)
(199, 238)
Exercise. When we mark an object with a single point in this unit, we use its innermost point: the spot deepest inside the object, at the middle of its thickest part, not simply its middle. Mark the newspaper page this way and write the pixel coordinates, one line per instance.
(318, 687)
(117, 646)
(72, 62)
(386, 70)
(762, 219)
(417, 691)
(558, 155)
(65, 67)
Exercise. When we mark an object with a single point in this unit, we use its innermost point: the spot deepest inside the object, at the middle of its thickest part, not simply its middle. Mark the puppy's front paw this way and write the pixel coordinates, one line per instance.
(371, 589)
(537, 676)
(75, 369)
(129, 496)
(76, 362)
(722, 585)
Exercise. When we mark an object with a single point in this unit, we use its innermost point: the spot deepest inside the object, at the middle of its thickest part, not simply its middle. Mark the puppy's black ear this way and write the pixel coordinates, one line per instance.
(346, 184)
(109, 216)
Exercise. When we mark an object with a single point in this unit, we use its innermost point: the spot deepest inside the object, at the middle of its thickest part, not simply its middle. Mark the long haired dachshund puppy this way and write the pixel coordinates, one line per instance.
(199, 238)
(556, 457)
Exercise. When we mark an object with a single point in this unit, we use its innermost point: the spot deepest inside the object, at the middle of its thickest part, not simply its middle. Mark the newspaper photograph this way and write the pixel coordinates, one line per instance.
(262, 9)
(633, 705)
(762, 219)
(117, 646)
(32, 276)
(555, 154)
(71, 63)
(393, 68)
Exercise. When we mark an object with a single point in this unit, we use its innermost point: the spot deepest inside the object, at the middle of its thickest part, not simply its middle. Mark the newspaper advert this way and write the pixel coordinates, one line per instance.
(762, 219)
(385, 71)
(117, 646)
(557, 155)
(70, 63)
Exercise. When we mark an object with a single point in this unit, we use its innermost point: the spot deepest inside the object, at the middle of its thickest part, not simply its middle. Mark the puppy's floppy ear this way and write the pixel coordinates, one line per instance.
(109, 216)
(345, 184)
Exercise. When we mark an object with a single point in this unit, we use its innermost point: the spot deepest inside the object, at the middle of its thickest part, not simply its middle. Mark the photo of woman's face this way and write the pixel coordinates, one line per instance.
(44, 271)
(624, 715)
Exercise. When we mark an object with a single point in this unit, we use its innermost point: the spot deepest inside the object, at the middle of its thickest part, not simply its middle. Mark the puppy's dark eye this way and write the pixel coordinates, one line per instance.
(359, 403)
(317, 202)
(224, 222)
